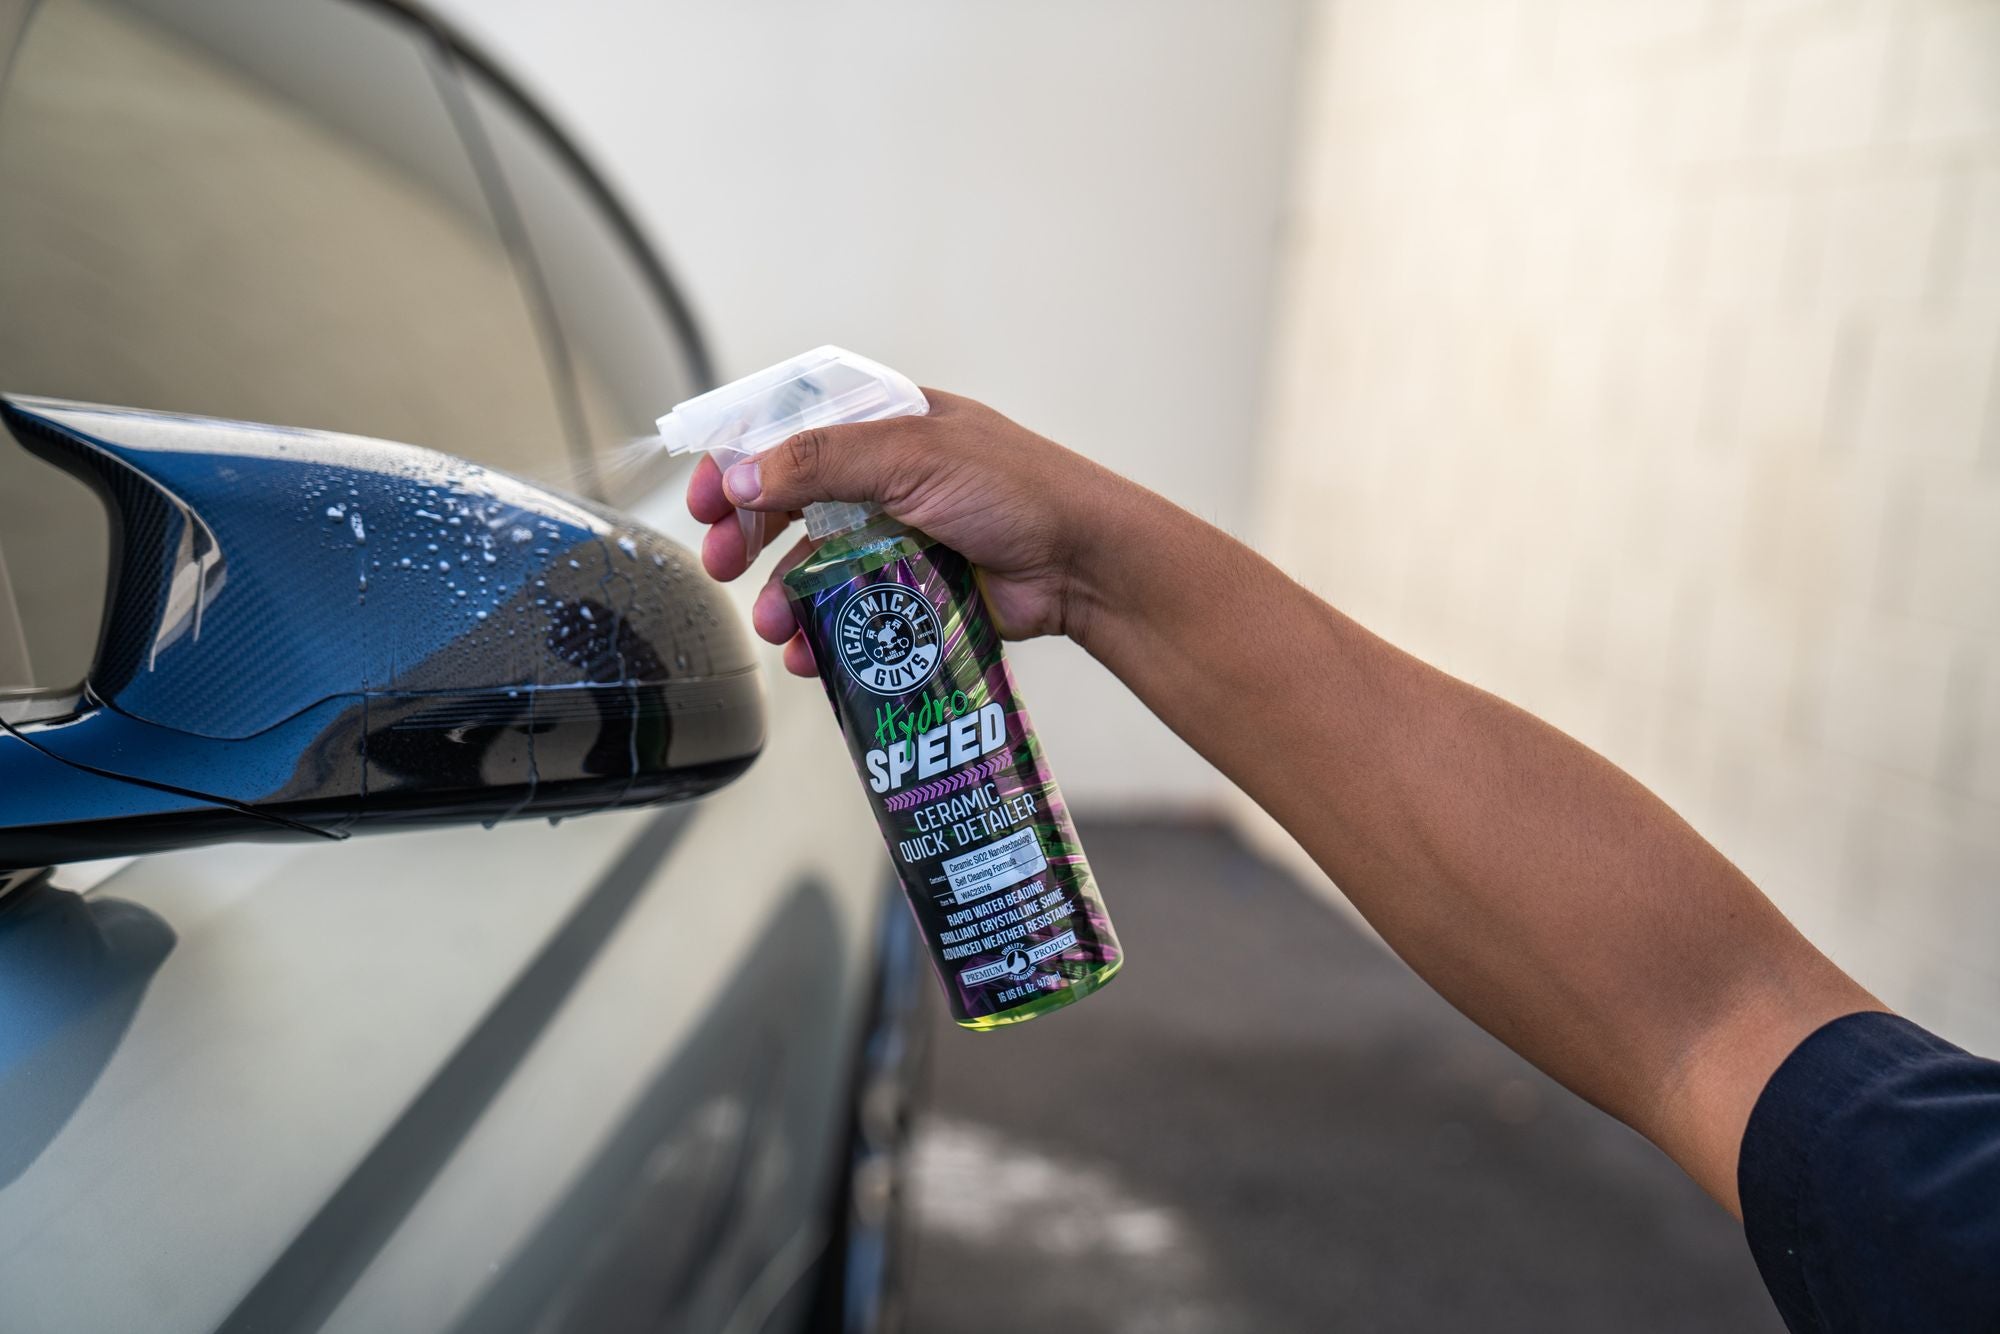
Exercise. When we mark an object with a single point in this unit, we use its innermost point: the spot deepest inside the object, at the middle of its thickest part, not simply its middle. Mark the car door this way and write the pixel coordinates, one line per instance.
(589, 1076)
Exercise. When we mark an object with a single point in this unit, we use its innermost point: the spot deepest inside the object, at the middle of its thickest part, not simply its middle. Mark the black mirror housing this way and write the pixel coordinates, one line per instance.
(309, 634)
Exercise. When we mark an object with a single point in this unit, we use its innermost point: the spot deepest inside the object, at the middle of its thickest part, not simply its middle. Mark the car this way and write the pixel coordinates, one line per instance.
(325, 510)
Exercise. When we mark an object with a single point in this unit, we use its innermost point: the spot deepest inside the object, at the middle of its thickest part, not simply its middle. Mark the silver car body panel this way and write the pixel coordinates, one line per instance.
(316, 998)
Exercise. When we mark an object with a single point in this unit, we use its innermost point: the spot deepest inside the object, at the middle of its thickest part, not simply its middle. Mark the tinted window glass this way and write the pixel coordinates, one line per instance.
(251, 210)
(13, 642)
(627, 357)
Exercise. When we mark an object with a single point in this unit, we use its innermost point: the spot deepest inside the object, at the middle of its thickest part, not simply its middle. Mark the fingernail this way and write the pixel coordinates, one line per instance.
(742, 482)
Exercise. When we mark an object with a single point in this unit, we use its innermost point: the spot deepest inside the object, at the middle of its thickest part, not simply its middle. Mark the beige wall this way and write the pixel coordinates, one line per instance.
(1640, 365)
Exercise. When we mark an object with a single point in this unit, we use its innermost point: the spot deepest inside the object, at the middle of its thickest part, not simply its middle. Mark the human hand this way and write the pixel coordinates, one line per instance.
(1023, 509)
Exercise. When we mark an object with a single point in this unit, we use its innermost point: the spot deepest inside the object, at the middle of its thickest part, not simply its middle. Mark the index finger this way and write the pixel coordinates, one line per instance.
(705, 499)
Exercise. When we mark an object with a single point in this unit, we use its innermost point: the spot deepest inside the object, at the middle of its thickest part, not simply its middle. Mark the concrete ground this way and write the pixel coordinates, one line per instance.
(1268, 1124)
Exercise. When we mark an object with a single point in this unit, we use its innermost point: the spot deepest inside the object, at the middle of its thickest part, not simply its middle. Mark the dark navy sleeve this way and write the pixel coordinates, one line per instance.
(1870, 1181)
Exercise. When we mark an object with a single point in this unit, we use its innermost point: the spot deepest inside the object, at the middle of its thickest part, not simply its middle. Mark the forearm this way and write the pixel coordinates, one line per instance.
(1543, 891)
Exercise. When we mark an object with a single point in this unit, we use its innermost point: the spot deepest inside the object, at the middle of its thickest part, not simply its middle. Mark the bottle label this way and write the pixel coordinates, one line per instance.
(974, 822)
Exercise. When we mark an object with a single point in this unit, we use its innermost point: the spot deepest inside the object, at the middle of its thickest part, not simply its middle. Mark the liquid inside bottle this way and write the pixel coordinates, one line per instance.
(976, 826)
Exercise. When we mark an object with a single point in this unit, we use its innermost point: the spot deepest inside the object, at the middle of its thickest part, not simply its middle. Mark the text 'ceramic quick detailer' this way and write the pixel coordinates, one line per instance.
(915, 671)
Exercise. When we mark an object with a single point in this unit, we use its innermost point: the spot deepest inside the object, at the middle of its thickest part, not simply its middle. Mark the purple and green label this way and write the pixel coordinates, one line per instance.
(978, 830)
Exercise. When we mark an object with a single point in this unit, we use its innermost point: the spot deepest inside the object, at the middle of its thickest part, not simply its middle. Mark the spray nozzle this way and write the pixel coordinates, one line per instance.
(824, 387)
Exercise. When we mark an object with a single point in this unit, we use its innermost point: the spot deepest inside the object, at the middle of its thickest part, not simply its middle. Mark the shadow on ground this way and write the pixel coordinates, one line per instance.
(1268, 1124)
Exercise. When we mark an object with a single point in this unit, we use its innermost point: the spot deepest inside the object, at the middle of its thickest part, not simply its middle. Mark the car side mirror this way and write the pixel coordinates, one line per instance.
(309, 634)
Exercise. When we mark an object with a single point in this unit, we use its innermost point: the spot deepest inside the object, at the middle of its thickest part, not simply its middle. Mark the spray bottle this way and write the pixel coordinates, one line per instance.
(914, 669)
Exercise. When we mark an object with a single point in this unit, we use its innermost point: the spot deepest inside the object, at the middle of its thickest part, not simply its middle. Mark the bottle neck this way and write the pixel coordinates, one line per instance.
(832, 518)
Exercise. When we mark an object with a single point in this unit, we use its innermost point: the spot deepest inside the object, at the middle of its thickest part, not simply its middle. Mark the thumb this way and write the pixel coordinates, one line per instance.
(879, 461)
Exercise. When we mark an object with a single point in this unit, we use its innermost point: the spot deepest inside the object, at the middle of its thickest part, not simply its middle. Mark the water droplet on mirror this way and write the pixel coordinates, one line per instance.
(336, 511)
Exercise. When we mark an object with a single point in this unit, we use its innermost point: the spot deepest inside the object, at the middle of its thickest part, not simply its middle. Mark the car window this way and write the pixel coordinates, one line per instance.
(13, 642)
(242, 209)
(629, 357)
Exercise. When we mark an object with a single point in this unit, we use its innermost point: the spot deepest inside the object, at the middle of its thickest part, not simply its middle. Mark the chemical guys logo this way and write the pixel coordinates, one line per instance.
(887, 637)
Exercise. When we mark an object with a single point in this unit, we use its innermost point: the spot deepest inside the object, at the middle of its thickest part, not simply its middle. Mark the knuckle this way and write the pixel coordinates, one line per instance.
(906, 469)
(808, 452)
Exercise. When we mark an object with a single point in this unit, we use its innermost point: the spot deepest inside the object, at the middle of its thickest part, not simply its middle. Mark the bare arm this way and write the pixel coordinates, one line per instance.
(1539, 888)
(1543, 891)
